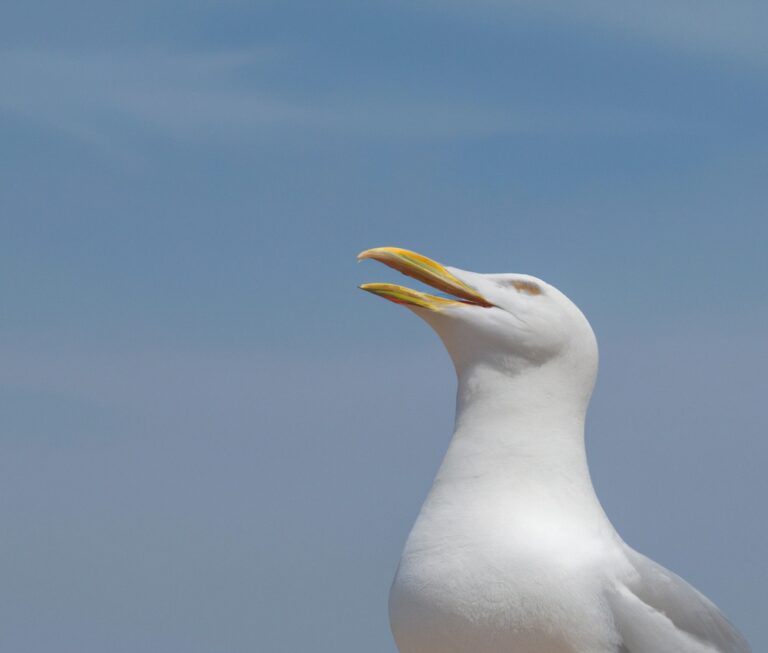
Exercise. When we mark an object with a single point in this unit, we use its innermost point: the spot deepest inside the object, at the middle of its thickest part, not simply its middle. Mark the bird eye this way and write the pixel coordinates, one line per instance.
(527, 287)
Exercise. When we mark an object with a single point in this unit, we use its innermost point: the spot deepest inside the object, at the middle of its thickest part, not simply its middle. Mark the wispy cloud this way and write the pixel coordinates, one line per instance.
(707, 28)
(212, 97)
(92, 95)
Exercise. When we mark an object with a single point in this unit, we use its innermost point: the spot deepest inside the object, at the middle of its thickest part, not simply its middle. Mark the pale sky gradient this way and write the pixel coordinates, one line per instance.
(211, 441)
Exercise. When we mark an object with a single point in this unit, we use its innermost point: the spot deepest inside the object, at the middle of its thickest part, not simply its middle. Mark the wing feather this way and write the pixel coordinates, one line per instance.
(656, 611)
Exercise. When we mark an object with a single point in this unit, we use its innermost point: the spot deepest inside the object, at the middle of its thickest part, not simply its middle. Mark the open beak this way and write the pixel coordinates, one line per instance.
(425, 270)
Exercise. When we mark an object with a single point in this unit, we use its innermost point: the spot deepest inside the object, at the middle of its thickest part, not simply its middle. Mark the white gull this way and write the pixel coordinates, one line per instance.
(512, 551)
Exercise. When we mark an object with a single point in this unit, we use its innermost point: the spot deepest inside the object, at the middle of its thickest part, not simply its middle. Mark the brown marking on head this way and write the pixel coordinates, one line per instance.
(527, 287)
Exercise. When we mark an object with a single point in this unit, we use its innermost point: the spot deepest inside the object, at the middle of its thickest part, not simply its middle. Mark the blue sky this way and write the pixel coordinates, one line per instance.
(198, 446)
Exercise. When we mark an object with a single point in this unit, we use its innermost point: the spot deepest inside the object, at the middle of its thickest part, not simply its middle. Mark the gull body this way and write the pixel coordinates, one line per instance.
(512, 551)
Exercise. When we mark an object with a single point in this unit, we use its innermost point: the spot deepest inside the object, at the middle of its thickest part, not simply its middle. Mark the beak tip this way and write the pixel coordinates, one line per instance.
(369, 253)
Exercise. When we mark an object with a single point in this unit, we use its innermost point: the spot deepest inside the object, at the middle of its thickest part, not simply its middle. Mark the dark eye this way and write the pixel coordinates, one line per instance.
(527, 287)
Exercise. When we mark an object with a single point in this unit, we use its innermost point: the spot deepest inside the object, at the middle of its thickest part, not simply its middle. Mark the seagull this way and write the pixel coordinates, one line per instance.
(512, 551)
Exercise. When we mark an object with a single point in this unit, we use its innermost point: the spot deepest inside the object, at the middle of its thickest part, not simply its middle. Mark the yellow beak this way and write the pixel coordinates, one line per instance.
(425, 270)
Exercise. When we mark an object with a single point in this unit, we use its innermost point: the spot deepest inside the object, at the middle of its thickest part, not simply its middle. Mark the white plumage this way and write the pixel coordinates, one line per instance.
(512, 552)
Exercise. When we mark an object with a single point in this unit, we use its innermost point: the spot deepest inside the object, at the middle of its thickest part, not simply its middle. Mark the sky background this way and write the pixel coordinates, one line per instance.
(211, 441)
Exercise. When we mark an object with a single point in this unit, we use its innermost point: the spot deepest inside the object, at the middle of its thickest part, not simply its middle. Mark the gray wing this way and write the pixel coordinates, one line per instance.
(656, 611)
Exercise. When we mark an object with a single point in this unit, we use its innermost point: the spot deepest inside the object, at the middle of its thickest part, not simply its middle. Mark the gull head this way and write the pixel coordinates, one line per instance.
(508, 323)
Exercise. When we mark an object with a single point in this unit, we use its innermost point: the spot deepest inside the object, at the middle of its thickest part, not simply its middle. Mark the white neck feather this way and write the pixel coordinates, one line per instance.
(519, 436)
